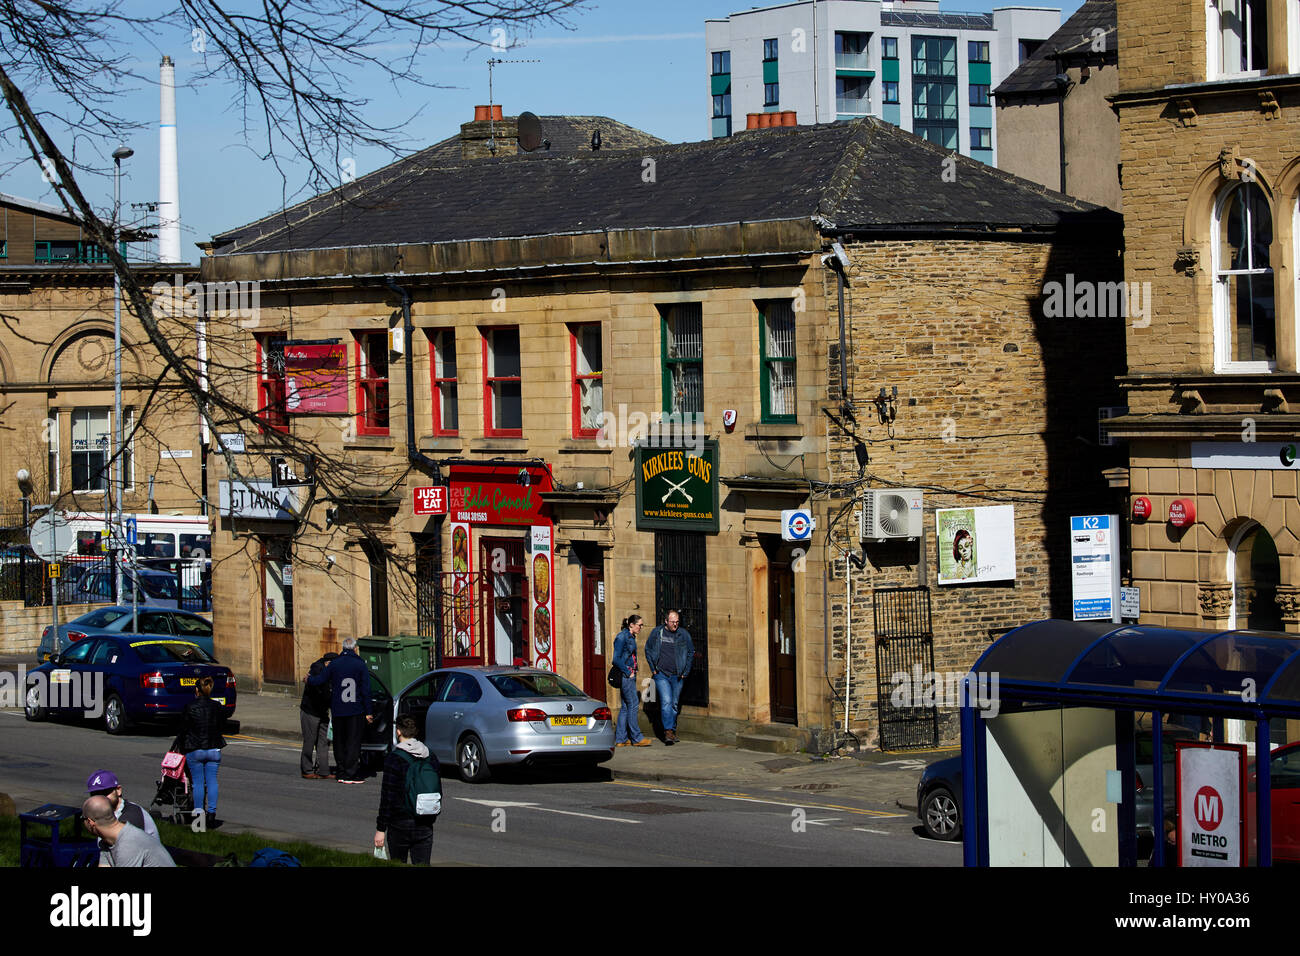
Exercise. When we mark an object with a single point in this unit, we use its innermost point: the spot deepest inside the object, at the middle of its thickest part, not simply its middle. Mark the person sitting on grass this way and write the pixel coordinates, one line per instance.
(128, 845)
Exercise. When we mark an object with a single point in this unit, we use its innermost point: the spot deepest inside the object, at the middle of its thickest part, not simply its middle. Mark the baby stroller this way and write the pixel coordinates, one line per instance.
(175, 798)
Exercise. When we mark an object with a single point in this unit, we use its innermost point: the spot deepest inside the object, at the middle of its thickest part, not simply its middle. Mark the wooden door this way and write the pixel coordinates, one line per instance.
(507, 593)
(594, 651)
(277, 613)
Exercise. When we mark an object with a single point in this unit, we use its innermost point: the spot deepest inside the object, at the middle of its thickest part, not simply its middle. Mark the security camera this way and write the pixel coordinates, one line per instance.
(330, 559)
(837, 259)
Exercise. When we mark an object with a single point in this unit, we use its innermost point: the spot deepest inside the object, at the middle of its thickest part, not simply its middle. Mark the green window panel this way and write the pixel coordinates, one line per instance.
(981, 73)
(719, 84)
(889, 70)
(770, 71)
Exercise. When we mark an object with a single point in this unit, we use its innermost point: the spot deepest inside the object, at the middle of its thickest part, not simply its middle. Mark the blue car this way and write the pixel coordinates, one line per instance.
(125, 679)
(116, 619)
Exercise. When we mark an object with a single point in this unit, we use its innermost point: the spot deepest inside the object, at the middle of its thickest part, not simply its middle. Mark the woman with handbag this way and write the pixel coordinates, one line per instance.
(627, 733)
(201, 741)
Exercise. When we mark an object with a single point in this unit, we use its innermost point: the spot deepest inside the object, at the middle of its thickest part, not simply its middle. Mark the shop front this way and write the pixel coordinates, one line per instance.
(499, 591)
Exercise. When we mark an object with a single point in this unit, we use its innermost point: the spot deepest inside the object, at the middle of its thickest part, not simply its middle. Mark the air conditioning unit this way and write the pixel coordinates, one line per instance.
(891, 513)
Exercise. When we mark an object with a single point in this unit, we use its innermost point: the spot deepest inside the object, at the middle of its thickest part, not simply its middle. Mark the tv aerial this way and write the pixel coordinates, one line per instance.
(492, 63)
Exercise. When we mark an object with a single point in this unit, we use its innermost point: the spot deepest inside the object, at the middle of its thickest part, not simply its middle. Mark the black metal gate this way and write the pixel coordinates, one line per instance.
(681, 583)
(904, 662)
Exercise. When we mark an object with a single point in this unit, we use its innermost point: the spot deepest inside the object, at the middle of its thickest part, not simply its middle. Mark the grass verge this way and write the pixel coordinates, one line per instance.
(218, 843)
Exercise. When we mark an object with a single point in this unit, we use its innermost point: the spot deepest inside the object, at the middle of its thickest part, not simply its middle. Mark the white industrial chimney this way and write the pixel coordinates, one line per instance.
(169, 193)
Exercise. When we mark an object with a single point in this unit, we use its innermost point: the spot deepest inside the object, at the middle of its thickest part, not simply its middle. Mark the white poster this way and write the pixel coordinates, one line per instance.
(1211, 829)
(976, 544)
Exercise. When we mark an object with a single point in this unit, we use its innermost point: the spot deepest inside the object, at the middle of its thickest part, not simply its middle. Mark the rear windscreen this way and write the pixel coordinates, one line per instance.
(101, 618)
(171, 652)
(533, 685)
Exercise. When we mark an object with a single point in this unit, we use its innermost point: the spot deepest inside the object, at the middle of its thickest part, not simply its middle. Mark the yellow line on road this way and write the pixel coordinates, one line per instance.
(744, 796)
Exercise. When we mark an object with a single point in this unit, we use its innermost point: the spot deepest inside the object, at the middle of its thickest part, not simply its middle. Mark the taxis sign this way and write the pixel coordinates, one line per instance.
(677, 488)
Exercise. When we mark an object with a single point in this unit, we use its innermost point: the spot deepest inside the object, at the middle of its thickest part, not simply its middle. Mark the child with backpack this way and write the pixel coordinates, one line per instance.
(410, 798)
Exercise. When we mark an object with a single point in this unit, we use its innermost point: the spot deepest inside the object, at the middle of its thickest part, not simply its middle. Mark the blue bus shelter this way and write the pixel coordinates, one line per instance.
(1054, 664)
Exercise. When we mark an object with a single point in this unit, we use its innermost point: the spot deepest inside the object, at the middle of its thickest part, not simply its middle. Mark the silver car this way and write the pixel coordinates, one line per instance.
(483, 717)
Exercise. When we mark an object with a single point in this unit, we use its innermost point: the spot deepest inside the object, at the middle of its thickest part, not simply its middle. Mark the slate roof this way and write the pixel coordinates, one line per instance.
(1073, 40)
(568, 136)
(864, 176)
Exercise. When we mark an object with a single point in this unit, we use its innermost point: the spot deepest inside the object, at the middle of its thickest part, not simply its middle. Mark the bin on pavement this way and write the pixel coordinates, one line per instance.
(45, 847)
(396, 660)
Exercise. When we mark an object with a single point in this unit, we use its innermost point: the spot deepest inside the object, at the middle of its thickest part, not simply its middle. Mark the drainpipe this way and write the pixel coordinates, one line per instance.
(413, 453)
(848, 639)
(1062, 87)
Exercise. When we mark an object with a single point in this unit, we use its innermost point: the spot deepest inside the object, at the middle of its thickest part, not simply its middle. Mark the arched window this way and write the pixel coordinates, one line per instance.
(1256, 572)
(1245, 329)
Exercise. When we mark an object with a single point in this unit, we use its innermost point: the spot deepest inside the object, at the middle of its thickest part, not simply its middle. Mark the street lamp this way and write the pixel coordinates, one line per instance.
(118, 478)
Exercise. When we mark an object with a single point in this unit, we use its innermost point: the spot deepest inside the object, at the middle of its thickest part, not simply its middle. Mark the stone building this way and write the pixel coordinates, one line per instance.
(1209, 110)
(56, 383)
(1054, 119)
(623, 366)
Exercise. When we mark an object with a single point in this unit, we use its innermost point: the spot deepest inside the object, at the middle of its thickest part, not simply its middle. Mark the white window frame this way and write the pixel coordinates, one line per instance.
(55, 458)
(1214, 41)
(128, 440)
(1293, 36)
(1223, 331)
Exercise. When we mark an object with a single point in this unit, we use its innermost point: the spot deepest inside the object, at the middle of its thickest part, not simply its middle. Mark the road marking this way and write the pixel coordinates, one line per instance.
(533, 806)
(869, 830)
(821, 823)
(695, 791)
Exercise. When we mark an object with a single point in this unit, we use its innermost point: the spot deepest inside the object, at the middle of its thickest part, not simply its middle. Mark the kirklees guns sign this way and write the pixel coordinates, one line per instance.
(677, 488)
(316, 379)
(502, 495)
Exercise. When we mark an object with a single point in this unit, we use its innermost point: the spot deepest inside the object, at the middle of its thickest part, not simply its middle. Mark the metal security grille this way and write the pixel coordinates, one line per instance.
(684, 355)
(681, 583)
(904, 651)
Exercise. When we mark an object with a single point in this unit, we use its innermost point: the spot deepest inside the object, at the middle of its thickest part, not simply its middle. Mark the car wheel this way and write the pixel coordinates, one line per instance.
(32, 709)
(115, 721)
(941, 816)
(471, 760)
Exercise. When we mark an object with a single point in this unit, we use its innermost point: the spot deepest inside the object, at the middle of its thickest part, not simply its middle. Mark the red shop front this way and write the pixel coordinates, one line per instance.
(501, 581)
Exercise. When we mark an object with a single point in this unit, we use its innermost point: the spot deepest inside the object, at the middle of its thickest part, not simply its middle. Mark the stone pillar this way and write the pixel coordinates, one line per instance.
(1288, 602)
(1216, 604)
(760, 696)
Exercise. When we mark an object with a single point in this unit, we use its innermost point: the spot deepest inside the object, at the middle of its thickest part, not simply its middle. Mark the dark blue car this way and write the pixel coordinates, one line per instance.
(125, 679)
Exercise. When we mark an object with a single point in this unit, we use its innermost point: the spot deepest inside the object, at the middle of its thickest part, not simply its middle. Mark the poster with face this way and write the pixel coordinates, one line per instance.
(976, 545)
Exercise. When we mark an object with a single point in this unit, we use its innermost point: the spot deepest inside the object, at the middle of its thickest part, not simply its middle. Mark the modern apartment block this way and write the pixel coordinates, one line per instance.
(905, 61)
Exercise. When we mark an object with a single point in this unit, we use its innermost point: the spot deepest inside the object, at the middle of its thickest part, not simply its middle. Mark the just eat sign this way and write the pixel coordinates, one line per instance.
(431, 501)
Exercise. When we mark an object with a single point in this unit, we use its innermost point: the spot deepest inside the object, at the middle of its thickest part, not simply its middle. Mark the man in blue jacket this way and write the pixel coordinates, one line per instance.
(349, 681)
(670, 653)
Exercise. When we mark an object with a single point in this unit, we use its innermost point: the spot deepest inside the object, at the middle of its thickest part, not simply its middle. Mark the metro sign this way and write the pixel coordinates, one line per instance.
(1208, 807)
(431, 501)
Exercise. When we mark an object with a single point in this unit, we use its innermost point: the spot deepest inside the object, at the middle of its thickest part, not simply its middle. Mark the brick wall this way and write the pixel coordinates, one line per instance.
(21, 627)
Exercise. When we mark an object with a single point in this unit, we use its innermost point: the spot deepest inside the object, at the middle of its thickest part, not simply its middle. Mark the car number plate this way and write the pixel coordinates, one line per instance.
(568, 721)
(220, 700)
(573, 741)
(189, 681)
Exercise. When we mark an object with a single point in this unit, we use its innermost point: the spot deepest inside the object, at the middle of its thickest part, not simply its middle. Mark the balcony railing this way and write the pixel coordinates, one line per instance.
(852, 61)
(853, 105)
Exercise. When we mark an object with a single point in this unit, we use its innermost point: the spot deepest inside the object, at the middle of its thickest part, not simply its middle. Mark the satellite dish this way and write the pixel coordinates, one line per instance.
(530, 132)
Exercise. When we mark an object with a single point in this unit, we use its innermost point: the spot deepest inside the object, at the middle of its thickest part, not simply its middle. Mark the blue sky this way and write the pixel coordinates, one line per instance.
(639, 61)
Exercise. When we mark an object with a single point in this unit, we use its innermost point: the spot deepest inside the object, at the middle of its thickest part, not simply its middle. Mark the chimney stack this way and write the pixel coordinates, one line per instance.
(169, 192)
(489, 126)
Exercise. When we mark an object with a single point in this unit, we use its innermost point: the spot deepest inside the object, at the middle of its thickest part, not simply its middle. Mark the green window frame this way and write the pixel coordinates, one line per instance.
(778, 369)
(681, 330)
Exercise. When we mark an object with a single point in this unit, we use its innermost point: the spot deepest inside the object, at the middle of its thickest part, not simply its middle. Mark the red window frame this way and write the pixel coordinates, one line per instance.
(372, 389)
(489, 381)
(576, 379)
(272, 399)
(437, 383)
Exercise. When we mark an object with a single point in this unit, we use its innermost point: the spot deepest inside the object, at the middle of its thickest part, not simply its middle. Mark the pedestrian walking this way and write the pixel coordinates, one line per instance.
(104, 783)
(349, 681)
(315, 713)
(670, 653)
(409, 771)
(627, 732)
(201, 741)
(127, 845)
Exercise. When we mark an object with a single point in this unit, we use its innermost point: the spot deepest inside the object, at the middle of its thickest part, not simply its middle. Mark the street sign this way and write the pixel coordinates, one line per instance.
(1094, 567)
(131, 534)
(1210, 784)
(797, 524)
(1130, 604)
(283, 474)
(56, 570)
(52, 536)
(431, 501)
(232, 442)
